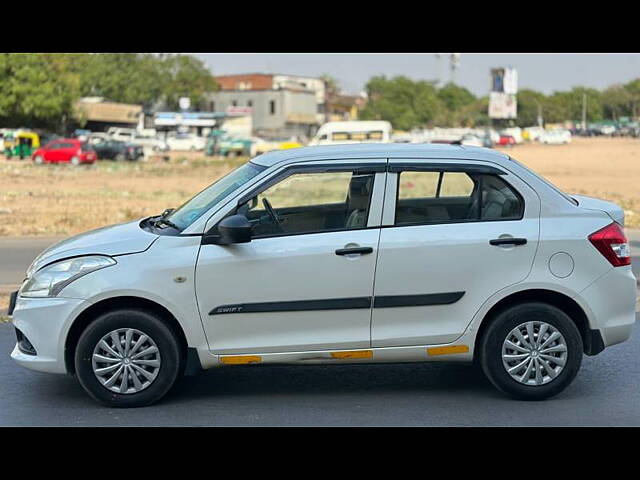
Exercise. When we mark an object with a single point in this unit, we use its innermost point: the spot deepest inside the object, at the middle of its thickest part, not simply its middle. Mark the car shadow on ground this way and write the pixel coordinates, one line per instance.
(332, 380)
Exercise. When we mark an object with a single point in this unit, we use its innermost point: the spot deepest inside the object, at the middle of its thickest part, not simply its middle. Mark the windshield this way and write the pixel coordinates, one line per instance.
(202, 202)
(551, 185)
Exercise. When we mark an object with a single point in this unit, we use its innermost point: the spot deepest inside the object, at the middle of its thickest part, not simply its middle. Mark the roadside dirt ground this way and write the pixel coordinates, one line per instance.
(59, 200)
(607, 168)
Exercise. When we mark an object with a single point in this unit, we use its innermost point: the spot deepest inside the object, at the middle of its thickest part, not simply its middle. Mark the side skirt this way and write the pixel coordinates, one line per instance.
(456, 352)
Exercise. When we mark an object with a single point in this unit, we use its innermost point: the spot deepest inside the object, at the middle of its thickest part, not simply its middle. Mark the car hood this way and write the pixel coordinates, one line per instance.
(114, 240)
(614, 211)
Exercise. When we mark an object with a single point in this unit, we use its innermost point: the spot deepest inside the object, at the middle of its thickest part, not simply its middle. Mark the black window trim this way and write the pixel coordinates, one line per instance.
(457, 167)
(358, 168)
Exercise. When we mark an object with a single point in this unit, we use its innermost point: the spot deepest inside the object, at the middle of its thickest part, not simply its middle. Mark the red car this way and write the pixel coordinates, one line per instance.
(507, 140)
(65, 150)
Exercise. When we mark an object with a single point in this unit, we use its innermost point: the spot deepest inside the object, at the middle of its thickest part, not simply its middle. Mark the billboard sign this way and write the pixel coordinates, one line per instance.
(239, 110)
(502, 105)
(185, 103)
(504, 80)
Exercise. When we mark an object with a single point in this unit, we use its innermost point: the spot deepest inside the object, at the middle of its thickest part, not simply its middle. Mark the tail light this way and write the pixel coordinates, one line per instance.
(612, 244)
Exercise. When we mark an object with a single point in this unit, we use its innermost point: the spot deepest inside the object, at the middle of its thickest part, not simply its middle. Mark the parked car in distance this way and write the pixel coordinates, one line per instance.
(98, 137)
(185, 142)
(471, 140)
(506, 140)
(363, 254)
(118, 151)
(261, 145)
(150, 142)
(555, 137)
(64, 150)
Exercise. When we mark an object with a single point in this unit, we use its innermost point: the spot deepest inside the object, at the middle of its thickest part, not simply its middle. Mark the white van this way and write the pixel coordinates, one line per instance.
(332, 133)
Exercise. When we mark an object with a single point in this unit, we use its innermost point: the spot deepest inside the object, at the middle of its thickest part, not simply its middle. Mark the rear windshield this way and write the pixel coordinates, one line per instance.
(551, 185)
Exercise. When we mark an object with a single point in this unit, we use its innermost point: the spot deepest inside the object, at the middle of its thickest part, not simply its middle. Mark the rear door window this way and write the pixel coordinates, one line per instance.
(426, 197)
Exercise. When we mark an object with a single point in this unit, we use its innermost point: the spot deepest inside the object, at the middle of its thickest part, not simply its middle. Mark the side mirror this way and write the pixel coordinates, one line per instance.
(233, 229)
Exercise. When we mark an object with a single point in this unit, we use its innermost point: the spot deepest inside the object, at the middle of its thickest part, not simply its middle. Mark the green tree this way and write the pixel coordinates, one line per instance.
(403, 102)
(616, 102)
(122, 77)
(530, 102)
(185, 76)
(37, 90)
(563, 106)
(633, 88)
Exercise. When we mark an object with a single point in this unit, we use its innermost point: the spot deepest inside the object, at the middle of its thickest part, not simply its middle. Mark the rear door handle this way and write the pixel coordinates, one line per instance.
(508, 241)
(354, 250)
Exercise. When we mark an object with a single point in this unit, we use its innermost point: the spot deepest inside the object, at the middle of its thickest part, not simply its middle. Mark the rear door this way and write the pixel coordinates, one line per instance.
(452, 235)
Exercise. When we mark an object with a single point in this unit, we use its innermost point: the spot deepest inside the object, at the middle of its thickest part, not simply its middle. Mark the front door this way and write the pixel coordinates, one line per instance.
(305, 280)
(452, 236)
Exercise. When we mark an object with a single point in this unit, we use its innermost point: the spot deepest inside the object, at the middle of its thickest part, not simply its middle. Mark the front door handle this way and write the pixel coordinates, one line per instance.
(354, 250)
(508, 241)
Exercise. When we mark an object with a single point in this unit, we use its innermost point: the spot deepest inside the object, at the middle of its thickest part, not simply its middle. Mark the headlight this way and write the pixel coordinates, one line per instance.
(49, 281)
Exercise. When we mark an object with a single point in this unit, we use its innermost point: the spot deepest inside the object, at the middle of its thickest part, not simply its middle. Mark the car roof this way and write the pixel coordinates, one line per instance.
(380, 150)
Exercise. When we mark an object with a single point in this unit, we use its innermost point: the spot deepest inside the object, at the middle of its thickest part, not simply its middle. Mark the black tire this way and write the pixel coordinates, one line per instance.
(166, 341)
(490, 350)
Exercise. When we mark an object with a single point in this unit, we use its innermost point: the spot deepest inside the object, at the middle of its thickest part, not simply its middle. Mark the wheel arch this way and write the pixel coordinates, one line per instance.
(551, 297)
(92, 312)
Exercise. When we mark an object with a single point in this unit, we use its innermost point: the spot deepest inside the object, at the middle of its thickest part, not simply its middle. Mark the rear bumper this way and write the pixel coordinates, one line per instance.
(612, 302)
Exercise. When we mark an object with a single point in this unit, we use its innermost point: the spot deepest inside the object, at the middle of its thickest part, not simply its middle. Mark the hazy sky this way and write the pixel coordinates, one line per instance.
(546, 72)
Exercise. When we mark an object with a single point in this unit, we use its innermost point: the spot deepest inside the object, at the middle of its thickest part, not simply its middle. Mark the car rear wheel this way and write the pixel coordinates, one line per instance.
(38, 160)
(531, 351)
(75, 160)
(127, 358)
(119, 157)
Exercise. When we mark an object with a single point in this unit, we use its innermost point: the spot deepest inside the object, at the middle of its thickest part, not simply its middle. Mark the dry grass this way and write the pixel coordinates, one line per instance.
(65, 200)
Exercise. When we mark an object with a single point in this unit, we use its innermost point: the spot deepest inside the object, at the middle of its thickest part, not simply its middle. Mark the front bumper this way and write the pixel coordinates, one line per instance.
(45, 323)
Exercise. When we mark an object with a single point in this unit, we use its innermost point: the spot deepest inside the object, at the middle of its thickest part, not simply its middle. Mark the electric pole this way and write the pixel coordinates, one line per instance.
(454, 63)
(584, 110)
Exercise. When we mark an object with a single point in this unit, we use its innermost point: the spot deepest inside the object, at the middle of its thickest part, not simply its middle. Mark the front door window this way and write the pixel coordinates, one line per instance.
(311, 203)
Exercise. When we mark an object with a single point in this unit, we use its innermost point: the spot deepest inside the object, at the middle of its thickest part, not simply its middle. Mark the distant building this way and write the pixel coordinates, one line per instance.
(344, 107)
(98, 114)
(282, 105)
(201, 123)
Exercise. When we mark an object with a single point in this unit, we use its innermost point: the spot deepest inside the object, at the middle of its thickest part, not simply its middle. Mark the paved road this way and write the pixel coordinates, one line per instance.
(17, 253)
(605, 391)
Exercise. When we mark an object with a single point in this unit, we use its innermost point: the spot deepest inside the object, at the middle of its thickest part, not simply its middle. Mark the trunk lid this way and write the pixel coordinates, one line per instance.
(614, 211)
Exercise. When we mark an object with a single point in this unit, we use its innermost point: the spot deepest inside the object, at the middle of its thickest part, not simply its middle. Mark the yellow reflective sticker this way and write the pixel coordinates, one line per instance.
(448, 350)
(353, 354)
(240, 359)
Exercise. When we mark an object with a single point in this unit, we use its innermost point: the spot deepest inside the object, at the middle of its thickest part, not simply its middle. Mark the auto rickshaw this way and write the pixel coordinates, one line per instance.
(221, 143)
(20, 143)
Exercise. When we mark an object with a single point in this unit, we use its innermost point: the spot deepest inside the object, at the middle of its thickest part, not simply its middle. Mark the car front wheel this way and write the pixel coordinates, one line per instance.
(127, 358)
(531, 351)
